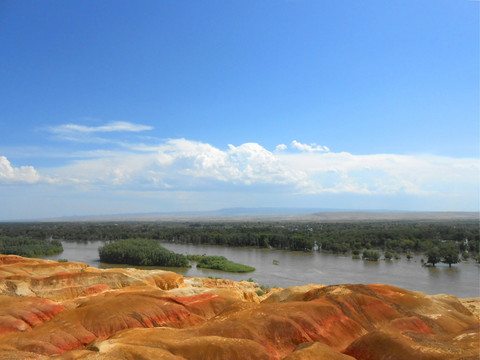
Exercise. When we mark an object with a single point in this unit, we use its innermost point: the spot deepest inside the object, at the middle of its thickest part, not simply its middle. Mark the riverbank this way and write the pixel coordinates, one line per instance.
(298, 268)
(71, 310)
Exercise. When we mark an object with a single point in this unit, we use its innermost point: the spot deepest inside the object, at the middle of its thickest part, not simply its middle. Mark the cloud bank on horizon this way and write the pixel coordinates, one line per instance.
(178, 167)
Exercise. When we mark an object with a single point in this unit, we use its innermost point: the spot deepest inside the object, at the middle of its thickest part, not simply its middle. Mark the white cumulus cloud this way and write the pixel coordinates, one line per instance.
(313, 147)
(178, 162)
(11, 174)
(193, 166)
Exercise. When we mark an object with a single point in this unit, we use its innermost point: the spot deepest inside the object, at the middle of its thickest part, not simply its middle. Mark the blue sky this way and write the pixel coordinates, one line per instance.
(144, 106)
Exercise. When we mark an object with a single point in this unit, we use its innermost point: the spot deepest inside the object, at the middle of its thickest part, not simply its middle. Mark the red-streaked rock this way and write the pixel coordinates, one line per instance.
(77, 312)
(23, 314)
(104, 315)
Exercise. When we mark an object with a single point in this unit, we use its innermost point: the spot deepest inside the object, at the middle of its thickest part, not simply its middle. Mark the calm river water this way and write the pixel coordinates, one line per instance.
(299, 268)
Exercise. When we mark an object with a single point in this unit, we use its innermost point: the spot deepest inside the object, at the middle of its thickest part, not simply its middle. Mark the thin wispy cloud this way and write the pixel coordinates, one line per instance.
(112, 133)
(114, 126)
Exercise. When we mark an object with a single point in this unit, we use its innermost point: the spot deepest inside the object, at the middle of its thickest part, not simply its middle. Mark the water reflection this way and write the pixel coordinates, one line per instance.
(453, 272)
(372, 263)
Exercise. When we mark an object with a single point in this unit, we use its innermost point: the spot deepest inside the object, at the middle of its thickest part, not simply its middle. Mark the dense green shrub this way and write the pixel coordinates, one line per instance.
(371, 255)
(29, 247)
(141, 252)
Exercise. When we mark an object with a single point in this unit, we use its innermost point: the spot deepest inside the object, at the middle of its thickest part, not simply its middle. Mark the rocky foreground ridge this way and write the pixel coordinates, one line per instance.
(72, 311)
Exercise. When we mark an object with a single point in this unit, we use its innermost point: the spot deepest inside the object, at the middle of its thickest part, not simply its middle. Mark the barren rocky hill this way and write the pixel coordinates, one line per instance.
(72, 311)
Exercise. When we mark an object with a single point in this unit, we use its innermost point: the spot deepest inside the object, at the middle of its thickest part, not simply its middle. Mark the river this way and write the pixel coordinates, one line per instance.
(299, 268)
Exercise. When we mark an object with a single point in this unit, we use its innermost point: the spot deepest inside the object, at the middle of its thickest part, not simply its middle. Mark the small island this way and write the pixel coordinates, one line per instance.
(140, 252)
(148, 252)
(219, 263)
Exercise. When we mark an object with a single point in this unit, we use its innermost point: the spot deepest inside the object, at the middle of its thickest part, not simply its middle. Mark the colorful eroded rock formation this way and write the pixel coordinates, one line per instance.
(73, 311)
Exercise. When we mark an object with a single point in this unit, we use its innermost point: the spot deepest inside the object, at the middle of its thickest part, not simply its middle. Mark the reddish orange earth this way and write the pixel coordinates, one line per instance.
(72, 311)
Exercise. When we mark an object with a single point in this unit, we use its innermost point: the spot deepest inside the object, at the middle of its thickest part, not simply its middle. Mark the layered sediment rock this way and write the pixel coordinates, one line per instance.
(76, 312)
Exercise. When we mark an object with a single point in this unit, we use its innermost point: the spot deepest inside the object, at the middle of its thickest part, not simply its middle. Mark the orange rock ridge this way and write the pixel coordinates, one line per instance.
(72, 311)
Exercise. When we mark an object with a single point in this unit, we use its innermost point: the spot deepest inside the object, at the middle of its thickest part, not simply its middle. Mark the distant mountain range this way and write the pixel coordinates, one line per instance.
(277, 214)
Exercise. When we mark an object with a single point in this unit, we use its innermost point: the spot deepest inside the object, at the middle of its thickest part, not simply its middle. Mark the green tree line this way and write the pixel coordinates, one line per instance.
(335, 237)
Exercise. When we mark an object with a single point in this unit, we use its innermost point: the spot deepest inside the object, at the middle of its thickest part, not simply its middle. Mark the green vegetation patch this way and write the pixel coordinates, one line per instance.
(29, 247)
(339, 237)
(371, 255)
(140, 252)
(219, 263)
(446, 253)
